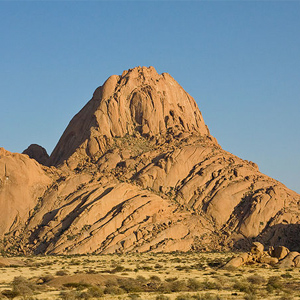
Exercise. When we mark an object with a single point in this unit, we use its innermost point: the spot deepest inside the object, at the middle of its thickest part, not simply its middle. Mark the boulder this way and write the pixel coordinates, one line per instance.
(288, 260)
(268, 260)
(279, 252)
(235, 262)
(257, 250)
(297, 261)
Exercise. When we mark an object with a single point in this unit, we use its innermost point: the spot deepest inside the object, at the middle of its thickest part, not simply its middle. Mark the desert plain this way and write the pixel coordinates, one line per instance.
(161, 276)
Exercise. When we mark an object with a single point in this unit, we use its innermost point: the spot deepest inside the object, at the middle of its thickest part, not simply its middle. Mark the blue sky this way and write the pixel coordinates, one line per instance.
(238, 59)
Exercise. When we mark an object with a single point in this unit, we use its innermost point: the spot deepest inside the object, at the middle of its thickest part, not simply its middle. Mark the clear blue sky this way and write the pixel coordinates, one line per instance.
(240, 60)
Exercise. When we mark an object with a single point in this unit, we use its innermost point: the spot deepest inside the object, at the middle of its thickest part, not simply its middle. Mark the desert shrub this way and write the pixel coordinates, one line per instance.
(183, 268)
(141, 279)
(113, 290)
(95, 292)
(194, 284)
(178, 286)
(286, 297)
(206, 296)
(130, 285)
(10, 294)
(243, 286)
(117, 269)
(211, 285)
(74, 262)
(170, 279)
(77, 285)
(61, 273)
(162, 297)
(198, 266)
(154, 278)
(250, 296)
(68, 295)
(134, 296)
(146, 268)
(215, 263)
(91, 271)
(158, 266)
(274, 283)
(256, 279)
(23, 286)
(286, 275)
(111, 282)
(184, 297)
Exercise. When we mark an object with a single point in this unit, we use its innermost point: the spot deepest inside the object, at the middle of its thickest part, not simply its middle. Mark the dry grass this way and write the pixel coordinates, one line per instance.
(145, 276)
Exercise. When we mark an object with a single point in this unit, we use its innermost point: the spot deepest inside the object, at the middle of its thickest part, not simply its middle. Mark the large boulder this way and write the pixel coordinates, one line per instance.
(279, 252)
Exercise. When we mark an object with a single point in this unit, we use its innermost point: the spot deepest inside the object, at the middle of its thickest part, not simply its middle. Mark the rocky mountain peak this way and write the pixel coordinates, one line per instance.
(138, 101)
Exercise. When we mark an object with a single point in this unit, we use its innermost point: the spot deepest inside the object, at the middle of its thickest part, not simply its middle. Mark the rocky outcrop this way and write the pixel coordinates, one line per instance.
(38, 153)
(22, 182)
(137, 170)
(279, 256)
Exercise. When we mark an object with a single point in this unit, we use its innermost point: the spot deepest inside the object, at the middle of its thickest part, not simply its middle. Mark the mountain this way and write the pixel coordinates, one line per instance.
(137, 170)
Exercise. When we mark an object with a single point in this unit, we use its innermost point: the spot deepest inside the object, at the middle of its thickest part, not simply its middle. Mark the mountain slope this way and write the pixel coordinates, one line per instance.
(137, 170)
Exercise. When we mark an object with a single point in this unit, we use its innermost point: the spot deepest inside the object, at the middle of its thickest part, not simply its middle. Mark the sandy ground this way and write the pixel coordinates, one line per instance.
(51, 275)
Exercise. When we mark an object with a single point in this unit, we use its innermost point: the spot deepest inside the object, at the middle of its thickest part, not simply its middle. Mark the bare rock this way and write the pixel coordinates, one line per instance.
(235, 262)
(279, 252)
(269, 260)
(22, 182)
(297, 261)
(288, 260)
(137, 170)
(257, 249)
(38, 153)
(125, 104)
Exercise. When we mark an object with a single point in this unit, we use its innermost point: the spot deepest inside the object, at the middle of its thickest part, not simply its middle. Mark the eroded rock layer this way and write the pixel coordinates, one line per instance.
(137, 170)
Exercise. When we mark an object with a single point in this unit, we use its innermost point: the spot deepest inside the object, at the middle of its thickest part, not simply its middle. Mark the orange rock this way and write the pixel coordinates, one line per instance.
(279, 252)
(137, 170)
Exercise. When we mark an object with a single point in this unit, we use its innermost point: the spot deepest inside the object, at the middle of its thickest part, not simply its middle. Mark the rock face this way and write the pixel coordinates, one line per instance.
(38, 153)
(137, 170)
(140, 100)
(22, 182)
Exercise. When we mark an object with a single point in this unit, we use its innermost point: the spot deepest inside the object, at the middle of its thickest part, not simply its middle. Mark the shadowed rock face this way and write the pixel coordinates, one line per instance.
(38, 153)
(136, 170)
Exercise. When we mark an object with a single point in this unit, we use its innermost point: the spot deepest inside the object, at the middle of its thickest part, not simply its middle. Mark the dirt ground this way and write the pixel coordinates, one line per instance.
(144, 276)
